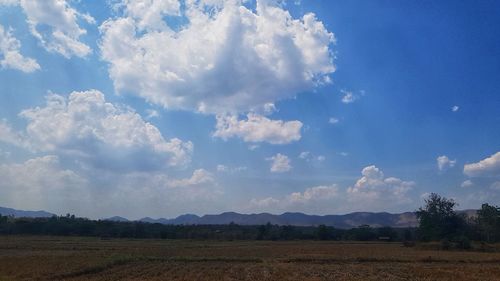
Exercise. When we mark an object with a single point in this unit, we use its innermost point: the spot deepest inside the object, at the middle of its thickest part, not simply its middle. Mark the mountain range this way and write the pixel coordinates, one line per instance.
(407, 219)
(21, 213)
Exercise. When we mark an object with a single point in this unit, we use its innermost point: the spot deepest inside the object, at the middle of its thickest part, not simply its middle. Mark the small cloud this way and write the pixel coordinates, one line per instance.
(151, 113)
(343, 154)
(333, 120)
(495, 185)
(467, 183)
(257, 128)
(269, 108)
(443, 163)
(10, 53)
(308, 156)
(253, 147)
(222, 168)
(455, 108)
(304, 154)
(4, 154)
(225, 169)
(199, 176)
(374, 186)
(314, 194)
(264, 203)
(55, 25)
(88, 18)
(349, 96)
(280, 163)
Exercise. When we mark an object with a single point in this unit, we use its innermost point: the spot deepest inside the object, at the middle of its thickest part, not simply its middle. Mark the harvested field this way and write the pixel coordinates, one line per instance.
(76, 258)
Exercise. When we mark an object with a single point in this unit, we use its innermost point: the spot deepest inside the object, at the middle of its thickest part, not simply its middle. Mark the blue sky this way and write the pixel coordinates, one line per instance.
(159, 108)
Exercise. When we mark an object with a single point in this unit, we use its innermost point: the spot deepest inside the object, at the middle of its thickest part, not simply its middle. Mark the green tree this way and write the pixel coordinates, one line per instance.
(361, 233)
(488, 219)
(438, 219)
(287, 232)
(387, 232)
(324, 232)
(264, 231)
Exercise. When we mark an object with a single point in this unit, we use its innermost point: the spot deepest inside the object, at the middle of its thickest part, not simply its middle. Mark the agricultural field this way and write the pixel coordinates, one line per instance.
(76, 258)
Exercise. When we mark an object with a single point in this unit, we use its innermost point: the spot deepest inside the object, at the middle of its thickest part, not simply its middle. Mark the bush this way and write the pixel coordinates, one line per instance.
(445, 244)
(409, 244)
(463, 243)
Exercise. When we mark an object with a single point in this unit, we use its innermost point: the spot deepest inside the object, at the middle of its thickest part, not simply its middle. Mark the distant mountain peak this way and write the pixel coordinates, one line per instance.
(117, 218)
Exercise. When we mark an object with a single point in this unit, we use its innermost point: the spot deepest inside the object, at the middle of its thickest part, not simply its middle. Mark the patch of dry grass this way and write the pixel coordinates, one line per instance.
(74, 258)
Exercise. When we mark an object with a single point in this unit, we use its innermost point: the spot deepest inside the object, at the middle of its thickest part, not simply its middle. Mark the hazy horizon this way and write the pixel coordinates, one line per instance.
(135, 109)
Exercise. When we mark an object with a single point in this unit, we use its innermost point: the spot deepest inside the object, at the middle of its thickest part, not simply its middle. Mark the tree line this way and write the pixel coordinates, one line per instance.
(438, 221)
(70, 225)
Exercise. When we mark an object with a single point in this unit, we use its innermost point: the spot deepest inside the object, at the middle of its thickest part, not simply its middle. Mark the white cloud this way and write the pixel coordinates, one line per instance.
(45, 183)
(39, 183)
(373, 188)
(268, 202)
(5, 154)
(222, 168)
(149, 14)
(269, 108)
(151, 113)
(443, 162)
(487, 167)
(455, 108)
(156, 194)
(313, 194)
(10, 136)
(304, 155)
(333, 120)
(258, 128)
(312, 198)
(88, 18)
(63, 31)
(280, 163)
(102, 134)
(8, 2)
(227, 58)
(308, 156)
(253, 147)
(467, 183)
(200, 176)
(348, 96)
(372, 192)
(10, 55)
(225, 169)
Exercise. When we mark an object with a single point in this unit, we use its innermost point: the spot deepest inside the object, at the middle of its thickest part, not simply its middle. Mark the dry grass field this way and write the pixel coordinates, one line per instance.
(62, 258)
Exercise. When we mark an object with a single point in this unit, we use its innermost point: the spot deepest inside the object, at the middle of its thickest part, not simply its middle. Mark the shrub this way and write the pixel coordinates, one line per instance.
(445, 244)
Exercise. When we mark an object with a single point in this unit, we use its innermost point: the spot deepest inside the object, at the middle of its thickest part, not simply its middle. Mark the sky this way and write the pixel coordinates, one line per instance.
(162, 107)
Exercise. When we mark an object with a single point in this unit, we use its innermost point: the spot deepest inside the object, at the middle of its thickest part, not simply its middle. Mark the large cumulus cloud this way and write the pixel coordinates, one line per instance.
(226, 58)
(101, 134)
